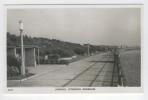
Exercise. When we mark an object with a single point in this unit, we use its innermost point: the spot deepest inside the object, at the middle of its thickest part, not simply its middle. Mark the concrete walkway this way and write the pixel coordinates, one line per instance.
(89, 72)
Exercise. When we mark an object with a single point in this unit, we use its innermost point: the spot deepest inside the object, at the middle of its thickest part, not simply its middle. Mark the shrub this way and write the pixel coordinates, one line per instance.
(53, 59)
(62, 52)
(79, 51)
(13, 66)
(64, 62)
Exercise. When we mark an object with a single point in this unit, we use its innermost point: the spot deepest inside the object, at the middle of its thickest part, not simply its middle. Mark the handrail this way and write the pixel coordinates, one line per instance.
(117, 70)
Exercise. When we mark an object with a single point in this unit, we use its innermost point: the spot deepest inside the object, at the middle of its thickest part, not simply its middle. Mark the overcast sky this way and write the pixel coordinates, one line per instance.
(108, 26)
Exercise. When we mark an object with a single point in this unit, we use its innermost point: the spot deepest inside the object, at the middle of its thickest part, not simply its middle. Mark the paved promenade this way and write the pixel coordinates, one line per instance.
(94, 71)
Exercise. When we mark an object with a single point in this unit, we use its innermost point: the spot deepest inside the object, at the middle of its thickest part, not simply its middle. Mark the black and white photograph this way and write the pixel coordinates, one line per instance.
(73, 47)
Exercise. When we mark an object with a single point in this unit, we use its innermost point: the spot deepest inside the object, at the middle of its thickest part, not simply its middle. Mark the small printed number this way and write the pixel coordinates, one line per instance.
(10, 89)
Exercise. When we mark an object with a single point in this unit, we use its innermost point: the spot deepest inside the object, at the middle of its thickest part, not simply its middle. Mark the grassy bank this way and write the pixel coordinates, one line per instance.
(131, 65)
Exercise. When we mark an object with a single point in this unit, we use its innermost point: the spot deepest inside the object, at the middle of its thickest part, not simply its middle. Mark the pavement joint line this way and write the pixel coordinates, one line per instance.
(101, 81)
(82, 80)
(34, 76)
(97, 75)
(78, 75)
(106, 71)
(85, 71)
(37, 75)
(103, 61)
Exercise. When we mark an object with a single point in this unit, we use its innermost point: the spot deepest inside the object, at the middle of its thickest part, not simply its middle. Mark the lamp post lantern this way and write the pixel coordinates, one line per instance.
(22, 48)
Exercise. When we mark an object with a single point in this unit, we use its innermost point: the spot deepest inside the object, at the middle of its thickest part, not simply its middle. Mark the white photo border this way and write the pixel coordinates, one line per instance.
(47, 90)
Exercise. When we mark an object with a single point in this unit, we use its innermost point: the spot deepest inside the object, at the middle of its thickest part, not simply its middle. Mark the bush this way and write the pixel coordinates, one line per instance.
(53, 59)
(62, 52)
(64, 62)
(12, 71)
(13, 66)
(79, 51)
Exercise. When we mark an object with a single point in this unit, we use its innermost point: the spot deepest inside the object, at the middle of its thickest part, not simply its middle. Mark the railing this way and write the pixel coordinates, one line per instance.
(118, 76)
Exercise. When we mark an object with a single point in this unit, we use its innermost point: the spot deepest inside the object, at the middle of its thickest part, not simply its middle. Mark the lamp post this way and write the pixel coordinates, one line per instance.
(88, 51)
(22, 48)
